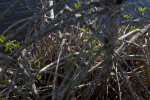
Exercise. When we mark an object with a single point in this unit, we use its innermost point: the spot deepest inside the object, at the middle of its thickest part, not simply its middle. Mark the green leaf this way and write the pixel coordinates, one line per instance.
(95, 47)
(84, 40)
(127, 16)
(144, 8)
(2, 38)
(39, 65)
(40, 57)
(11, 44)
(132, 28)
(88, 2)
(39, 77)
(4, 82)
(19, 58)
(33, 60)
(77, 5)
(122, 8)
(124, 26)
(84, 29)
(140, 9)
(37, 59)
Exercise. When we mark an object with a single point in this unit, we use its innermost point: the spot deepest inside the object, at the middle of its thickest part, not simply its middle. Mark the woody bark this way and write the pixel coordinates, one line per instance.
(111, 34)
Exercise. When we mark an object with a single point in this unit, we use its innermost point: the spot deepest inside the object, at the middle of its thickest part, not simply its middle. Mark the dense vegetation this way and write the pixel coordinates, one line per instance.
(83, 52)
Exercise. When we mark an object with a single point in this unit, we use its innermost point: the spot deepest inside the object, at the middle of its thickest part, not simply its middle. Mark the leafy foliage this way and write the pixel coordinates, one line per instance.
(132, 28)
(127, 16)
(122, 8)
(4, 82)
(77, 5)
(38, 60)
(9, 44)
(142, 10)
(39, 77)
